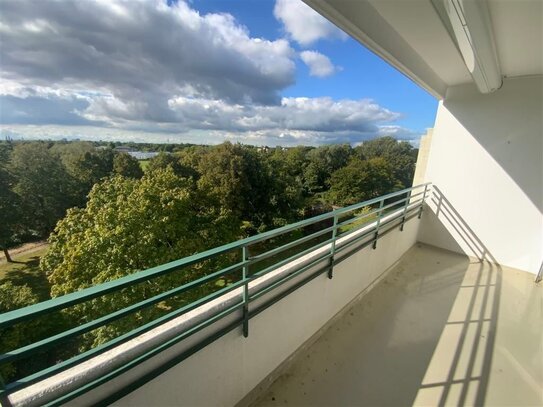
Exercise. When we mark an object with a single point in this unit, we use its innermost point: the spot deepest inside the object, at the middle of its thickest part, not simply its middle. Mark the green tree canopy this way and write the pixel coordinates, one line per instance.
(130, 225)
(401, 156)
(361, 180)
(238, 178)
(11, 221)
(322, 162)
(13, 297)
(166, 160)
(127, 166)
(43, 184)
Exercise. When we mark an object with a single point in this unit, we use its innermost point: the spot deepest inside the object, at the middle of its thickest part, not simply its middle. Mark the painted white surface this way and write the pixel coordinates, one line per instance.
(487, 160)
(422, 157)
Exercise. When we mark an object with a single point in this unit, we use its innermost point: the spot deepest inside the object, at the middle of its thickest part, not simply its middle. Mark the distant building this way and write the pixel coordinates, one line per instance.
(143, 155)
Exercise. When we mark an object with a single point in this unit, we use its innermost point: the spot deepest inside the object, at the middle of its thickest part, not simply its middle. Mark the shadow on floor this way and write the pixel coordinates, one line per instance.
(410, 340)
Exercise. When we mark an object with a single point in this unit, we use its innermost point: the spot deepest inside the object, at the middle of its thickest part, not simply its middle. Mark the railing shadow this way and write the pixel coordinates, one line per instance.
(459, 371)
(445, 210)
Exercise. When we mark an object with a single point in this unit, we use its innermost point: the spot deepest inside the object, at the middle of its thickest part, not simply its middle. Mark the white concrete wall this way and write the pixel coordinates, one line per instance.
(487, 160)
(422, 157)
(225, 371)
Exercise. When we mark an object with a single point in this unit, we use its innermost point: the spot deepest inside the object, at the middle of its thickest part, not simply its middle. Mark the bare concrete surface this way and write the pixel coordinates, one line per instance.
(440, 329)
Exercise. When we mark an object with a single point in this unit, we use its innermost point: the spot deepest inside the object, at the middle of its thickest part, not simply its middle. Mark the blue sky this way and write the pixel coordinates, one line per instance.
(255, 71)
(364, 74)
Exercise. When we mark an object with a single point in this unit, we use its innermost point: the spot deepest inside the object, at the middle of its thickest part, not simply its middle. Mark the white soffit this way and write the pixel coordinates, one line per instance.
(361, 20)
(518, 33)
(411, 36)
(419, 24)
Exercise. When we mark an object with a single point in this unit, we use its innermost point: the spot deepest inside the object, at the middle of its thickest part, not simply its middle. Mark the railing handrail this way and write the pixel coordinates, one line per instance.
(374, 232)
(89, 293)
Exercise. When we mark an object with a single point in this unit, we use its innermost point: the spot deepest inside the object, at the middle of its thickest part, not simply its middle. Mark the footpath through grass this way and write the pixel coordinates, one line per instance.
(25, 270)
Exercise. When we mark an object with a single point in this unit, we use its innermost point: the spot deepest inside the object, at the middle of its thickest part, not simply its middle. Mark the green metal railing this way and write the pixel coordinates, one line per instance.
(385, 213)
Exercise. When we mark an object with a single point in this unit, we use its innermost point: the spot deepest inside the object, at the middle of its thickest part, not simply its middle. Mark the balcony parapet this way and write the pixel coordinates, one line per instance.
(198, 324)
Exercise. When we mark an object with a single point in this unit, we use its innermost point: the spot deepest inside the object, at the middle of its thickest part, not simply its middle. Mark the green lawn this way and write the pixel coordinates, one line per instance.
(25, 270)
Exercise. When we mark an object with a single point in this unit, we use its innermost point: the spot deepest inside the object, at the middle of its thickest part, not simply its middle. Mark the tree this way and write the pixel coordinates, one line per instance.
(127, 166)
(10, 215)
(401, 156)
(361, 180)
(287, 194)
(166, 160)
(10, 205)
(322, 162)
(237, 177)
(13, 297)
(43, 185)
(130, 225)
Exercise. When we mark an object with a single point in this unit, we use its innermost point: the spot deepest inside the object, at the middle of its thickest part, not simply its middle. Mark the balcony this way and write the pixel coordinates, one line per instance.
(363, 309)
(428, 298)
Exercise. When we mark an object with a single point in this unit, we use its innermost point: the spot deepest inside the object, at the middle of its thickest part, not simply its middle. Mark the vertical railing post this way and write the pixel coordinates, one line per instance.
(245, 275)
(539, 276)
(407, 198)
(379, 216)
(422, 202)
(333, 248)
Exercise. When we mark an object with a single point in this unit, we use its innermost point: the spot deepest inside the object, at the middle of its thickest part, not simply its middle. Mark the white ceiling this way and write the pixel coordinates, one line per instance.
(518, 32)
(411, 36)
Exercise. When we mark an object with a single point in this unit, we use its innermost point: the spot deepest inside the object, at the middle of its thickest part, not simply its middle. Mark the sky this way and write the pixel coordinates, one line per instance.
(262, 72)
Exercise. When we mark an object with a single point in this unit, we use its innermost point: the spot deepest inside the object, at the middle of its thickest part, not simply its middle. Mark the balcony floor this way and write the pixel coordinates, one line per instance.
(440, 329)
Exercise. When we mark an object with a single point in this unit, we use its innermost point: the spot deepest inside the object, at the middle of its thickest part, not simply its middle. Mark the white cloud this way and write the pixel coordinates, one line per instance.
(319, 64)
(139, 50)
(293, 114)
(303, 24)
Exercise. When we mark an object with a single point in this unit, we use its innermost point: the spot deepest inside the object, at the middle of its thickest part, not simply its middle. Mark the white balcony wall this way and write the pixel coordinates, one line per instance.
(486, 160)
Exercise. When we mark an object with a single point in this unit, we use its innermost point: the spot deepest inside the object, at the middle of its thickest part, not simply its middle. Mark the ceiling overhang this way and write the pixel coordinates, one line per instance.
(415, 37)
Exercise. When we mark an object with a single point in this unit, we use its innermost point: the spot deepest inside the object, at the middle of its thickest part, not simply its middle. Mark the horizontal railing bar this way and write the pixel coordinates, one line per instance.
(12, 317)
(290, 276)
(89, 293)
(390, 205)
(120, 339)
(89, 326)
(265, 255)
(197, 347)
(394, 216)
(142, 358)
(374, 220)
(378, 199)
(290, 259)
(382, 231)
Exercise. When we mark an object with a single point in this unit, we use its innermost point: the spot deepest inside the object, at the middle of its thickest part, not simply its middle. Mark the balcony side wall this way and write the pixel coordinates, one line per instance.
(486, 161)
(224, 372)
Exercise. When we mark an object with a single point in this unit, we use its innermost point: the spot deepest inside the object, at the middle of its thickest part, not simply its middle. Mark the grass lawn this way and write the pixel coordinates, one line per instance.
(25, 270)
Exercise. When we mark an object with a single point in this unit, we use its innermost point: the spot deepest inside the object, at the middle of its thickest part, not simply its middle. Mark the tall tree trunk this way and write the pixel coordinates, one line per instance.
(8, 257)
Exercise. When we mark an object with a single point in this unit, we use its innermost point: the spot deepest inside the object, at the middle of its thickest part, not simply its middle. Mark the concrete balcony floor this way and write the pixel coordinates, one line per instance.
(440, 329)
